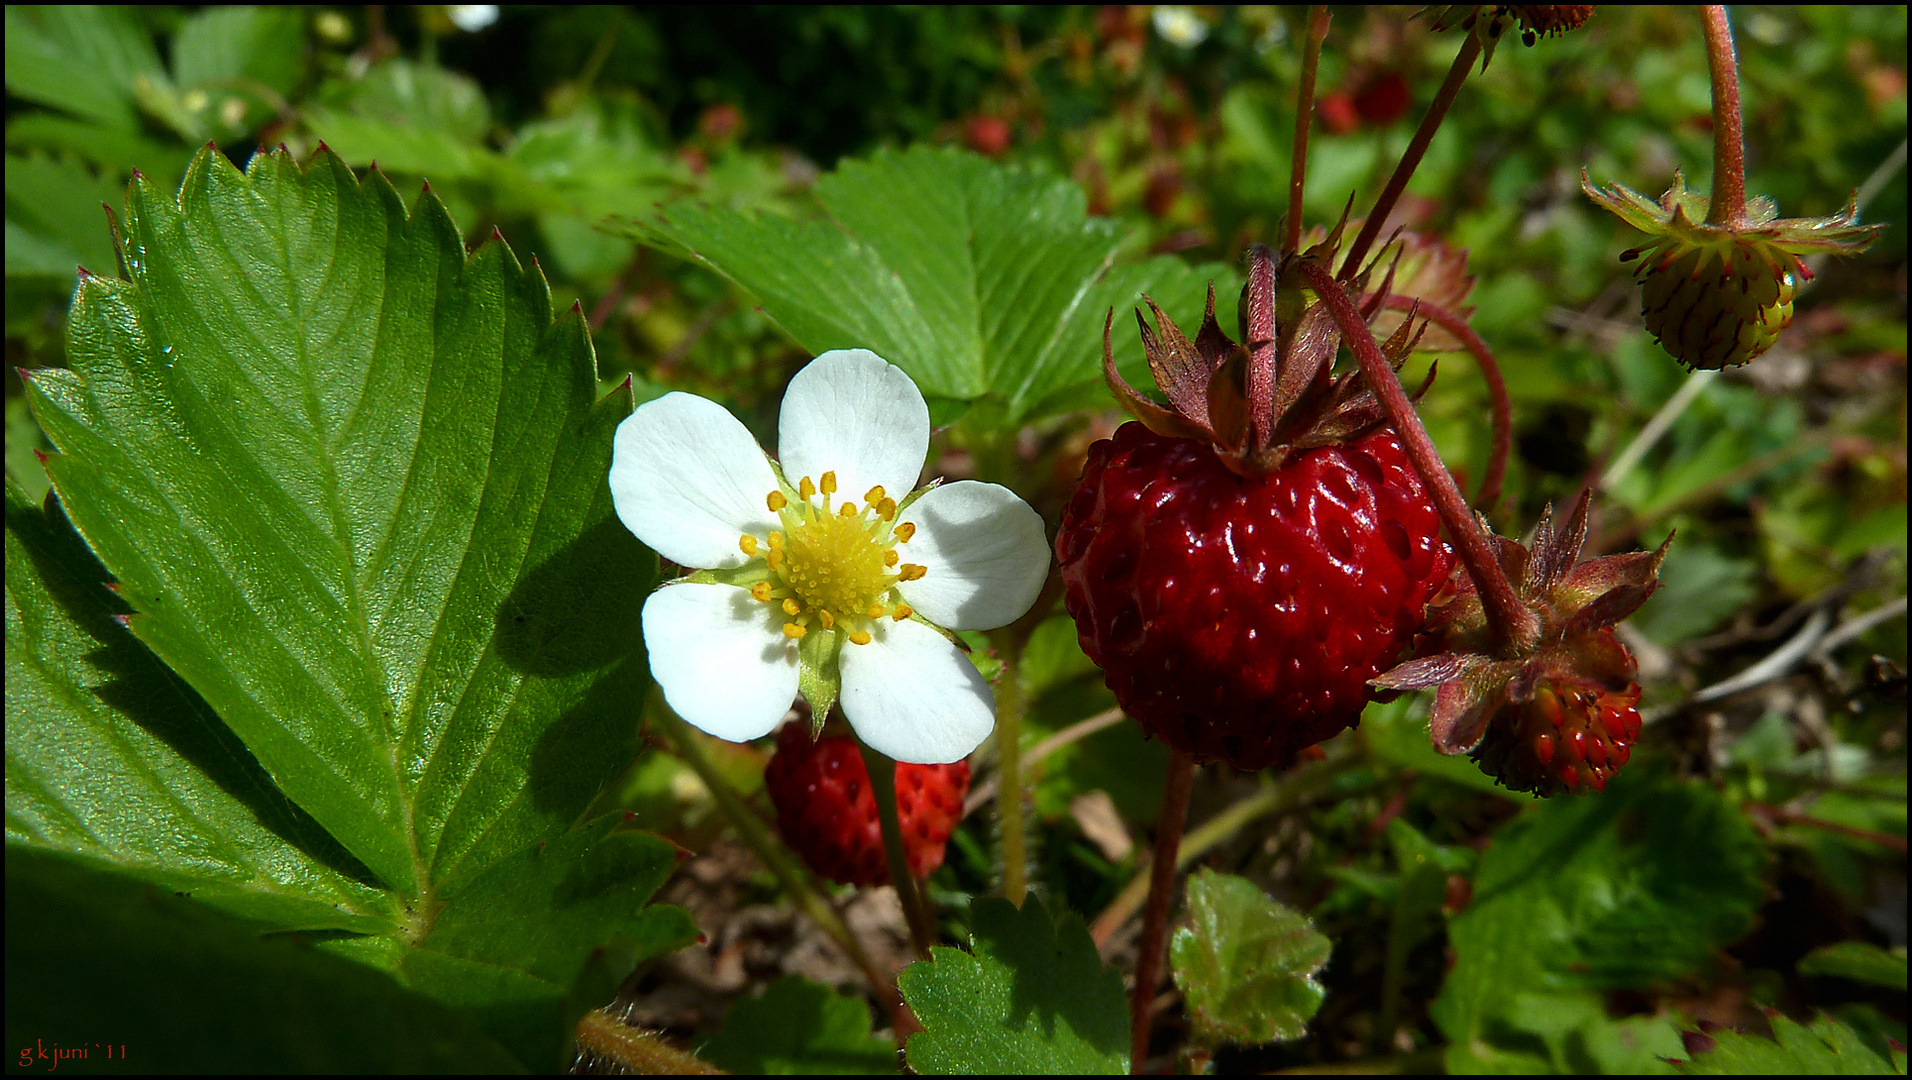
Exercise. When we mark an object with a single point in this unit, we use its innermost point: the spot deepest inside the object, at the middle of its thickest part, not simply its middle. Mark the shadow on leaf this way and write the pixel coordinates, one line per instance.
(143, 689)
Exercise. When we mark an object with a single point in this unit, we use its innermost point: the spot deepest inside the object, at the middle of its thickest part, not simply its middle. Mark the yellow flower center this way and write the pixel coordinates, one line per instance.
(829, 566)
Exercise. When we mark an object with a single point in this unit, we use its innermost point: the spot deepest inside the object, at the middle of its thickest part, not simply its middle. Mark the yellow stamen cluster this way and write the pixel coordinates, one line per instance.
(833, 567)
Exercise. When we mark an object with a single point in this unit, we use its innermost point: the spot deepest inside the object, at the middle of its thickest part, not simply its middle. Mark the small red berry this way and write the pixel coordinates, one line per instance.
(1239, 617)
(988, 135)
(1383, 100)
(827, 813)
(1521, 751)
(1561, 712)
(1338, 112)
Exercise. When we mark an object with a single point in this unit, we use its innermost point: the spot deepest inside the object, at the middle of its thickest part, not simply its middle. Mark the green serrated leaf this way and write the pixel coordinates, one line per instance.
(1827, 1048)
(977, 279)
(1246, 963)
(94, 957)
(1859, 961)
(1030, 997)
(1625, 889)
(354, 486)
(799, 1028)
(112, 759)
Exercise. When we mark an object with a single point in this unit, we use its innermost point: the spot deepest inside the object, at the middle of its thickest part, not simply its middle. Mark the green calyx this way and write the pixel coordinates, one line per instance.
(820, 674)
(1718, 295)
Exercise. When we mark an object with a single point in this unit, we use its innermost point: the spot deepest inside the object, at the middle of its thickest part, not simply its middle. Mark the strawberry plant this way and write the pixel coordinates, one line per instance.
(619, 540)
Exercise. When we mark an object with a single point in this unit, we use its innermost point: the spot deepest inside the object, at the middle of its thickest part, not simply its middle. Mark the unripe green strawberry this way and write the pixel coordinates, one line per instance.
(1717, 295)
(1719, 308)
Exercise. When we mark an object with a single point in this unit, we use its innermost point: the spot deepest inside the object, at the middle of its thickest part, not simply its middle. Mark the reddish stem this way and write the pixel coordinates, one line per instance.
(1411, 159)
(1318, 19)
(1779, 815)
(1261, 331)
(1496, 389)
(1514, 627)
(1729, 149)
(1168, 843)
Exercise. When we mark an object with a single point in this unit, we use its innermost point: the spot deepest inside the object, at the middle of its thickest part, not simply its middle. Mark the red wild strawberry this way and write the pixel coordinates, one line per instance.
(827, 814)
(1383, 99)
(1338, 112)
(1242, 562)
(1238, 617)
(1559, 713)
(1571, 735)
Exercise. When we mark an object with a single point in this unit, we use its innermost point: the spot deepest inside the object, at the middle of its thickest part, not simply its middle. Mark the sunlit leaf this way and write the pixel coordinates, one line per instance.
(351, 482)
(114, 760)
(1246, 963)
(982, 282)
(1031, 997)
(1858, 961)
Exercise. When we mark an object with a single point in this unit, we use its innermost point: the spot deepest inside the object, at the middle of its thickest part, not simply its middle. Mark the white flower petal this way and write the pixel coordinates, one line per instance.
(689, 480)
(913, 696)
(720, 659)
(984, 551)
(851, 412)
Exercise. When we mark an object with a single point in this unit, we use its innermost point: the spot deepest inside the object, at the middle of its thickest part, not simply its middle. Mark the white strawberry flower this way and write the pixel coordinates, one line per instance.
(797, 589)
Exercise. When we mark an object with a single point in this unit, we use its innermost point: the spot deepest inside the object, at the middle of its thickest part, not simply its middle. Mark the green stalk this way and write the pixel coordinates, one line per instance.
(1009, 704)
(644, 1053)
(883, 785)
(772, 853)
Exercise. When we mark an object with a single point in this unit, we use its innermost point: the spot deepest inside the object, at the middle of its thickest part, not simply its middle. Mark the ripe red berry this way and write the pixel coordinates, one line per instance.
(988, 135)
(1239, 617)
(1338, 112)
(1383, 99)
(827, 814)
(1565, 738)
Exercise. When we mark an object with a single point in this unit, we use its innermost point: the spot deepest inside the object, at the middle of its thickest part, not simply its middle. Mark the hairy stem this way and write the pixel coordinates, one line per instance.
(1009, 822)
(1514, 627)
(1729, 149)
(1496, 389)
(772, 853)
(1148, 965)
(644, 1053)
(1411, 158)
(883, 785)
(1318, 19)
(1075, 732)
